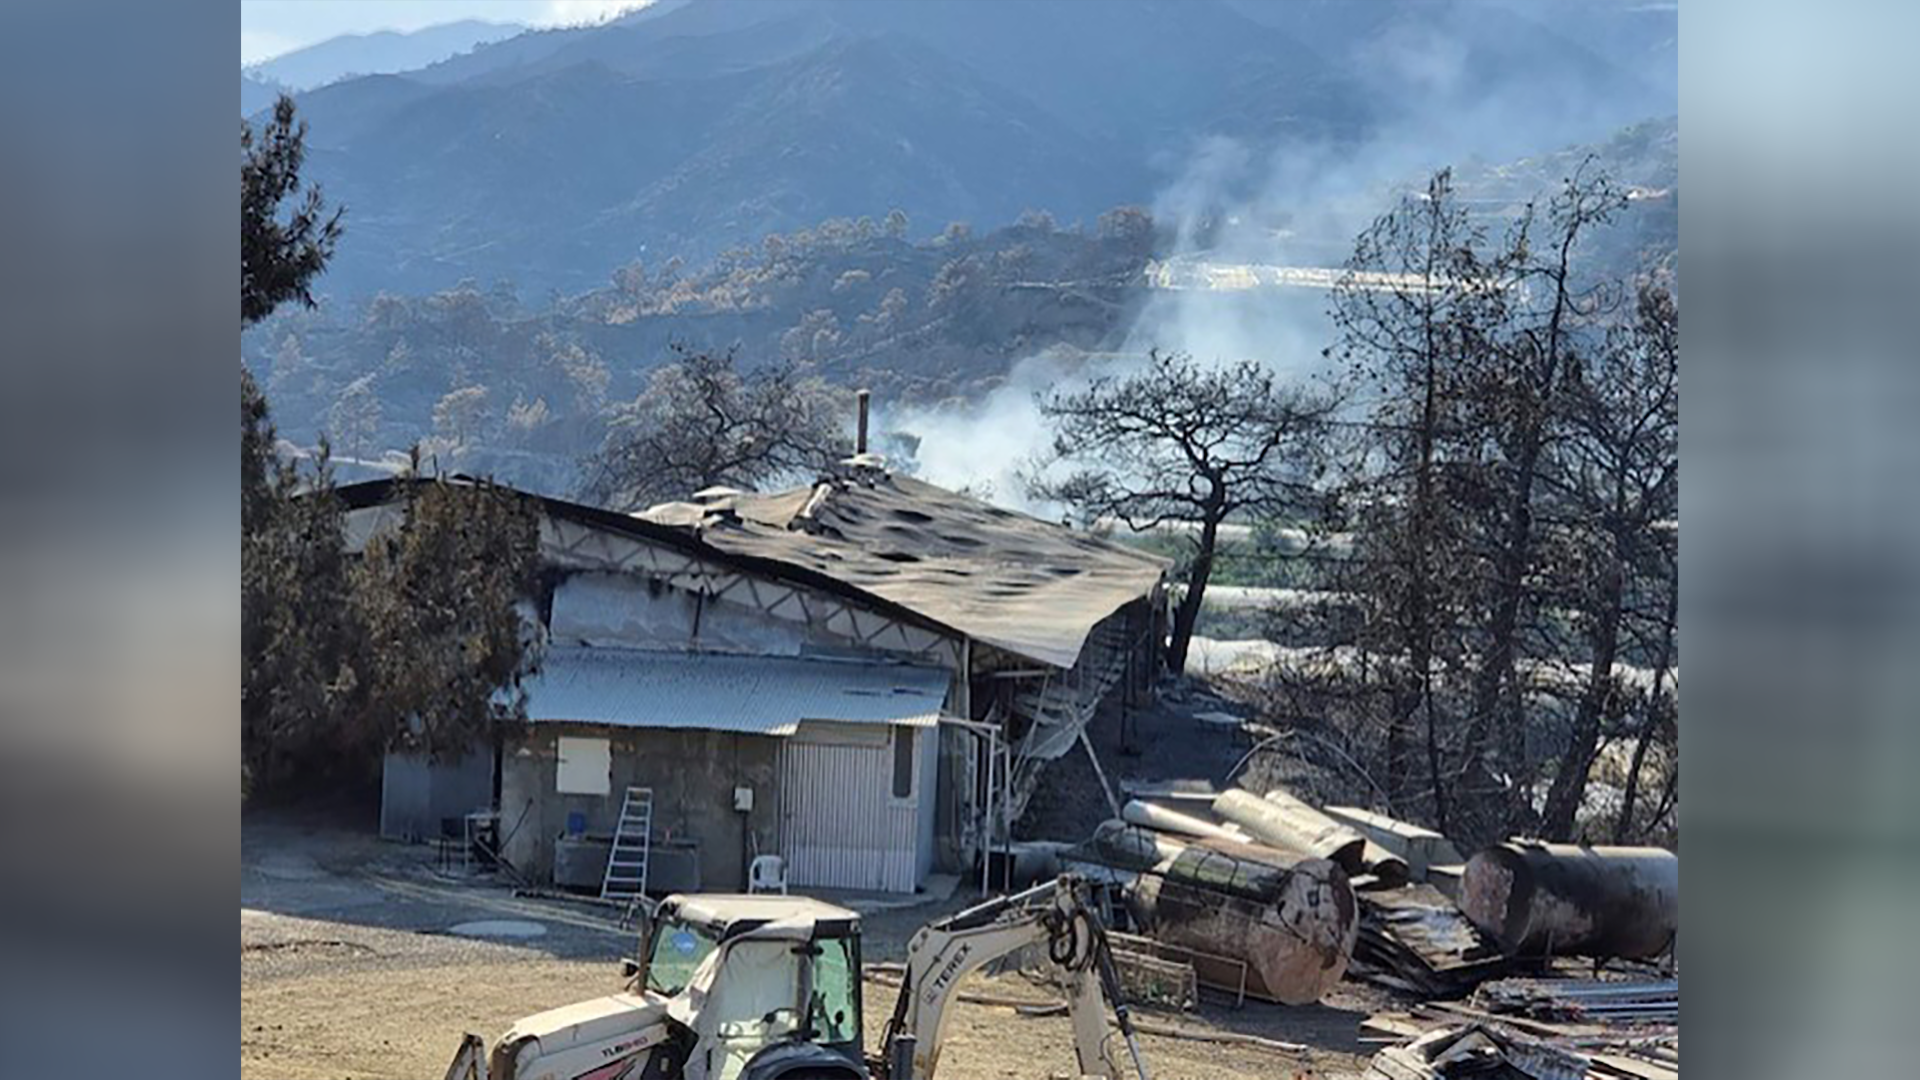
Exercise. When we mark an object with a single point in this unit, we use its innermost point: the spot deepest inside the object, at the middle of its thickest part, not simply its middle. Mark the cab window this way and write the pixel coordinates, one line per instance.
(676, 953)
(834, 1008)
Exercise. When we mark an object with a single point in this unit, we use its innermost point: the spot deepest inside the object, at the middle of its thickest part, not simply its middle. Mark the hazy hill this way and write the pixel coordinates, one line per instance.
(379, 53)
(917, 322)
(257, 94)
(1643, 158)
(1490, 77)
(552, 157)
(940, 321)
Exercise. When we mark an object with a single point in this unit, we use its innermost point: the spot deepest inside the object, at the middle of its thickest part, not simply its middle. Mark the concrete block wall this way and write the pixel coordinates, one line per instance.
(693, 775)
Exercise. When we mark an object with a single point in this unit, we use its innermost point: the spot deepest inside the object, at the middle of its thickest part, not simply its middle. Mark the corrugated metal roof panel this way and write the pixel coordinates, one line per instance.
(1028, 586)
(766, 695)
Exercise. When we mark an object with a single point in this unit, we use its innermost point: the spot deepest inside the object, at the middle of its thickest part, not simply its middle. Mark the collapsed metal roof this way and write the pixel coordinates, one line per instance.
(1031, 587)
(762, 695)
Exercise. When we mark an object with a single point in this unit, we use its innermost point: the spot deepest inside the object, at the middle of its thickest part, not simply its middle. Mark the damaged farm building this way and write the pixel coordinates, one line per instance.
(865, 676)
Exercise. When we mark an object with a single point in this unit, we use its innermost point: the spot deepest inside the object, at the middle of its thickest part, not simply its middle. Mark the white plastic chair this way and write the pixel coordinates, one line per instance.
(767, 873)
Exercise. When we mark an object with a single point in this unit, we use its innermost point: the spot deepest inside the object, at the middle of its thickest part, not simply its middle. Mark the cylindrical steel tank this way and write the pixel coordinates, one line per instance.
(1540, 899)
(1292, 925)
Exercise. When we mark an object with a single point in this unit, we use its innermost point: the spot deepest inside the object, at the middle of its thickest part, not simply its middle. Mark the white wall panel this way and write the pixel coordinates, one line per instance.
(841, 826)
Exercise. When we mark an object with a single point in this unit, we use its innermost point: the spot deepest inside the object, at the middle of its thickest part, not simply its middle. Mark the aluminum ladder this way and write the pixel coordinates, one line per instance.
(626, 876)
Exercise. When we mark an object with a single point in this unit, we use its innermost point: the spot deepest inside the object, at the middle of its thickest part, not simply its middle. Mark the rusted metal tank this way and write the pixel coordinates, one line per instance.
(1293, 828)
(1293, 926)
(1539, 899)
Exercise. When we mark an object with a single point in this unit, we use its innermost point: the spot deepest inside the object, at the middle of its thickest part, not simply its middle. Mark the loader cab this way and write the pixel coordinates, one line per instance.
(768, 985)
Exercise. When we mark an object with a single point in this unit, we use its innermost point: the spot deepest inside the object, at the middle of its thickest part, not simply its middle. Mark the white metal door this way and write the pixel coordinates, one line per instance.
(843, 827)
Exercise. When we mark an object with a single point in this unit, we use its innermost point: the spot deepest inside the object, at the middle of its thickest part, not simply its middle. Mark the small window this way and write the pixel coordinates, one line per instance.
(585, 767)
(903, 762)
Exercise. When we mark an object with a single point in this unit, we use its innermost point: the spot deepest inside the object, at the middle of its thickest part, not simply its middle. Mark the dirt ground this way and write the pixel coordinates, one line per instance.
(407, 1022)
(351, 966)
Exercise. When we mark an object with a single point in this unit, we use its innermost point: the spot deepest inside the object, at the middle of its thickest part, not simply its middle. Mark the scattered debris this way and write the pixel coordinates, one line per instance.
(1275, 898)
(1235, 971)
(1622, 1029)
(1421, 848)
(1477, 1050)
(1609, 1001)
(1154, 979)
(1413, 939)
(1223, 1038)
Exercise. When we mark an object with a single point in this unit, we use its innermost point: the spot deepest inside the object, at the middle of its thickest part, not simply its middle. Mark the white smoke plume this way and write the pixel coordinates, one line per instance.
(1255, 238)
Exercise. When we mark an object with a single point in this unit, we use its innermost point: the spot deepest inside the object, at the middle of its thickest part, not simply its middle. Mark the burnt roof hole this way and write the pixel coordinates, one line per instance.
(897, 556)
(914, 516)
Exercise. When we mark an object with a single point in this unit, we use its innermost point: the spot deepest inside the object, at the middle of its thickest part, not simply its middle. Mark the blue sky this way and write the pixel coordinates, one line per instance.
(271, 27)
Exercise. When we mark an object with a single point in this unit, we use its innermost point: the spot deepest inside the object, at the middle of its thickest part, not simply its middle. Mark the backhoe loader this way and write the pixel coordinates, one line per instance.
(767, 987)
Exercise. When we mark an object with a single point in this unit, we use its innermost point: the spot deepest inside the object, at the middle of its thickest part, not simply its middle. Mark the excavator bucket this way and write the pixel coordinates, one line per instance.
(471, 1062)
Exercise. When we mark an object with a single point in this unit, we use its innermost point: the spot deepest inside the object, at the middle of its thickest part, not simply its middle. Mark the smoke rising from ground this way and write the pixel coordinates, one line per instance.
(1230, 207)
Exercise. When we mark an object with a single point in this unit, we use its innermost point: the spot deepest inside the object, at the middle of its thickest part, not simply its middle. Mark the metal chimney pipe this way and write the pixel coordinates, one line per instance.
(860, 440)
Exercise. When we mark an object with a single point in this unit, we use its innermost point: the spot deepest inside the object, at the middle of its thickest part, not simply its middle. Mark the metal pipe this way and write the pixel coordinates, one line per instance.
(986, 822)
(1287, 828)
(1006, 811)
(1388, 867)
(1160, 818)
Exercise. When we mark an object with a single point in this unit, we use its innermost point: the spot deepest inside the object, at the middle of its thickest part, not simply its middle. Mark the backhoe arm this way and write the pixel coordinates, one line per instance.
(1055, 917)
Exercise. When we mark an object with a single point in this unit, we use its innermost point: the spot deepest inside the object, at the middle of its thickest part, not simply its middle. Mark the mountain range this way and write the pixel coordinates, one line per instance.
(690, 127)
(932, 326)
(381, 52)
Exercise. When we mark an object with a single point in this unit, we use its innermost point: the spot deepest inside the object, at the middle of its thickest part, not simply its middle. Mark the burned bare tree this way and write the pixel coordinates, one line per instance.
(1488, 542)
(701, 421)
(1180, 442)
(1613, 494)
(1416, 312)
(1523, 396)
